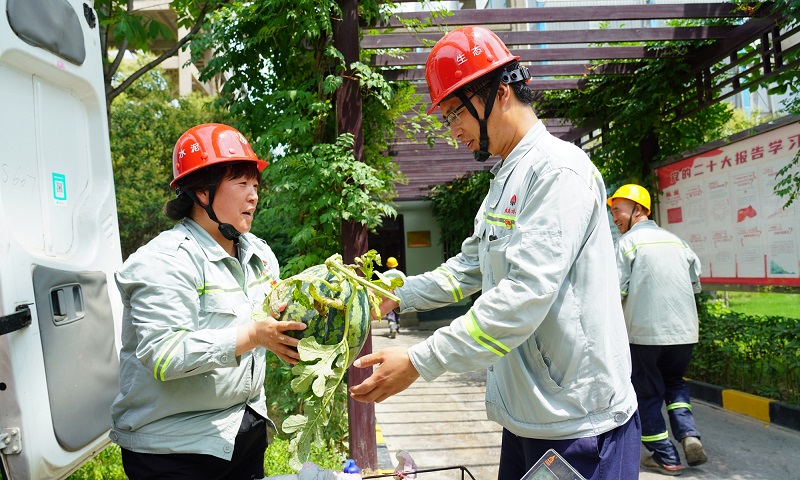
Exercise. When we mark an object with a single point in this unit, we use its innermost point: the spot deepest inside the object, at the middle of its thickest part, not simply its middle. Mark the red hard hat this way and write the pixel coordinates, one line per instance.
(461, 56)
(209, 144)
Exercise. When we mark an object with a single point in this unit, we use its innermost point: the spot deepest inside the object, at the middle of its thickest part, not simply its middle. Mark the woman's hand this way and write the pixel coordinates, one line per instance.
(271, 334)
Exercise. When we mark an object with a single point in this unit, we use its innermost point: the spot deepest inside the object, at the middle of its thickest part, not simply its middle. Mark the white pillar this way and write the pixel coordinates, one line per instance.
(184, 70)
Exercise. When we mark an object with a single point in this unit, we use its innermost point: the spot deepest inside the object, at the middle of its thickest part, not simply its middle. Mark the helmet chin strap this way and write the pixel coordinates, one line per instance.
(630, 218)
(519, 74)
(226, 229)
(483, 153)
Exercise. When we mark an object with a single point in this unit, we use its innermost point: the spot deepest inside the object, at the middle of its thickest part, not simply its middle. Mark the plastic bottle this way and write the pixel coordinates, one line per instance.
(350, 471)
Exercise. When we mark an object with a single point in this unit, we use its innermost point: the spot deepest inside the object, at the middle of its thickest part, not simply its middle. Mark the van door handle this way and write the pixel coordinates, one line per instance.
(66, 303)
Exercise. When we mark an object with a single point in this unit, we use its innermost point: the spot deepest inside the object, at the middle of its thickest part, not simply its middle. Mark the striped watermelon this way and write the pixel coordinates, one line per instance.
(329, 306)
(337, 306)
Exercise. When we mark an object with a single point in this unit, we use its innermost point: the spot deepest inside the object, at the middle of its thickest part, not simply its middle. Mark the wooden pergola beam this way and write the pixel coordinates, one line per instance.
(572, 14)
(741, 36)
(539, 70)
(562, 59)
(542, 55)
(557, 37)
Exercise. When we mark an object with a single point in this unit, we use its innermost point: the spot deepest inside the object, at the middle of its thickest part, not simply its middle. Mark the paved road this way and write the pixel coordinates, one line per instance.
(443, 423)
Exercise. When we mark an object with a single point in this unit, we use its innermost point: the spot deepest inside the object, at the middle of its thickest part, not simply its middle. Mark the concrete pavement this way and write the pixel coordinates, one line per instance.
(443, 424)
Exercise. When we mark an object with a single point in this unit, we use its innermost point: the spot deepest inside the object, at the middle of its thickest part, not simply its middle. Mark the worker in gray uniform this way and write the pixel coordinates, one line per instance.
(659, 275)
(548, 327)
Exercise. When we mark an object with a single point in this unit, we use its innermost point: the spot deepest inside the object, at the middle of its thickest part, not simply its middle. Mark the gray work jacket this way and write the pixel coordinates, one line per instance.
(658, 277)
(182, 388)
(548, 325)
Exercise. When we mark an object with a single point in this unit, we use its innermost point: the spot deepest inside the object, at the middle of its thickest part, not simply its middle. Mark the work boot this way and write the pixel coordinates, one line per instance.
(651, 463)
(695, 454)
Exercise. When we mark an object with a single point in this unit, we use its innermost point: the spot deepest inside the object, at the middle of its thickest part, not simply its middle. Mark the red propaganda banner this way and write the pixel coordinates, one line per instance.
(722, 202)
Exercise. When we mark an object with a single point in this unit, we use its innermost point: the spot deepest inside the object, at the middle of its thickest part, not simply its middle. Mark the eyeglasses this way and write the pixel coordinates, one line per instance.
(452, 119)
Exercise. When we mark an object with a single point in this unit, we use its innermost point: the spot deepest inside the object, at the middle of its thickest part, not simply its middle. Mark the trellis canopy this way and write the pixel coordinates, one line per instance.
(564, 47)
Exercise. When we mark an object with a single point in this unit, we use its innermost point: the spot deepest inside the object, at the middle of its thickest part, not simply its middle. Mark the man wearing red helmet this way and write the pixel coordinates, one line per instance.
(192, 364)
(548, 326)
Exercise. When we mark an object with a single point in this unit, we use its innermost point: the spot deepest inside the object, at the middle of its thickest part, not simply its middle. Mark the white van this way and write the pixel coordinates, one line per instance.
(59, 241)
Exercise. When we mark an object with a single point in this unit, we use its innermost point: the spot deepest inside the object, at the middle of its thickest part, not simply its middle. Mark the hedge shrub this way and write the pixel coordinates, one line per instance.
(750, 353)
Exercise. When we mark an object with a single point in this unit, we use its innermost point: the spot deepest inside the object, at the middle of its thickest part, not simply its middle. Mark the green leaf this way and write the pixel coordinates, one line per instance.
(322, 367)
(316, 365)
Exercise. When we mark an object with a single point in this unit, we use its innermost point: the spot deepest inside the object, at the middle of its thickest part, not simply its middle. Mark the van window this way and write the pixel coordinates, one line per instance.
(49, 24)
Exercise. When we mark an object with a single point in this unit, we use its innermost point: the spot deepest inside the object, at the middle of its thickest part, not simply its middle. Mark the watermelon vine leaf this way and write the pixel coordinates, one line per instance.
(316, 365)
(337, 306)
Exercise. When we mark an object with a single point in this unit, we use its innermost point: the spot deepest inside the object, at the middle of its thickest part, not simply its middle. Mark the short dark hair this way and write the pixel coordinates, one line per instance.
(205, 179)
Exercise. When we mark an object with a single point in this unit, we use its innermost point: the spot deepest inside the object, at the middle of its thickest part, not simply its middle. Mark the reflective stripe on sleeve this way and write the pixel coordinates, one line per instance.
(162, 362)
(213, 288)
(487, 342)
(455, 289)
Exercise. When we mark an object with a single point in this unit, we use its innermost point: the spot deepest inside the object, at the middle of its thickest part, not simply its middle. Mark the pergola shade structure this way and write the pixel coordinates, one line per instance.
(564, 47)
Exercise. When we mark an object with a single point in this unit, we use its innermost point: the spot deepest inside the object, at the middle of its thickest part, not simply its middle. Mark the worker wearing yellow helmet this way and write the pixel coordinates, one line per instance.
(392, 317)
(659, 275)
(629, 204)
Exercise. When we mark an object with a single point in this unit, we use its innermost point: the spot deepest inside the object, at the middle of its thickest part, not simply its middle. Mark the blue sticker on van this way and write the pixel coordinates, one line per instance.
(59, 187)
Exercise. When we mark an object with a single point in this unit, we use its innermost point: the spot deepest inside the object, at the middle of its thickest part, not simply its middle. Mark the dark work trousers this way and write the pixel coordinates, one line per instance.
(657, 377)
(247, 462)
(612, 455)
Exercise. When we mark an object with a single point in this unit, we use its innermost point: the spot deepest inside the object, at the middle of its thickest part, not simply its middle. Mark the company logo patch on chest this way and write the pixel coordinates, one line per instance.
(511, 208)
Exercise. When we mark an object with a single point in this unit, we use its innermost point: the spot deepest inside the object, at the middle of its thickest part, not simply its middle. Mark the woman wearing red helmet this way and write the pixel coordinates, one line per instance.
(192, 363)
(548, 327)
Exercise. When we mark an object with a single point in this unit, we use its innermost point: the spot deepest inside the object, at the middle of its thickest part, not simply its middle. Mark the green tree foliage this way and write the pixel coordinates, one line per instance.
(741, 120)
(788, 8)
(325, 456)
(788, 178)
(124, 29)
(636, 109)
(638, 113)
(106, 465)
(455, 205)
(283, 72)
(145, 124)
(786, 82)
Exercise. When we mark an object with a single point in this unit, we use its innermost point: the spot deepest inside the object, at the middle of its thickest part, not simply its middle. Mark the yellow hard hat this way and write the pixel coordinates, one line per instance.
(391, 262)
(633, 192)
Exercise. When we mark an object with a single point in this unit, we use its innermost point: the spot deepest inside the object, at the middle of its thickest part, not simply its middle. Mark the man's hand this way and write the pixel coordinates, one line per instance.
(394, 373)
(387, 305)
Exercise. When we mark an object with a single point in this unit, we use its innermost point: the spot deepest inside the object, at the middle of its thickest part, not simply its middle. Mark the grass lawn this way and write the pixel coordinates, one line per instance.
(772, 304)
